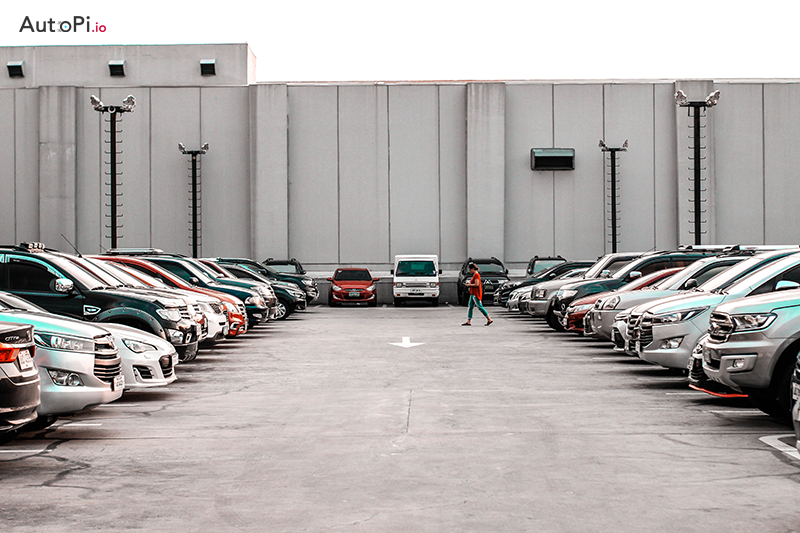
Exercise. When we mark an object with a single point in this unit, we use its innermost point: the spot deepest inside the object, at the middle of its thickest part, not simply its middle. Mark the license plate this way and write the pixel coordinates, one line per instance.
(416, 291)
(119, 382)
(638, 346)
(354, 294)
(25, 360)
(795, 391)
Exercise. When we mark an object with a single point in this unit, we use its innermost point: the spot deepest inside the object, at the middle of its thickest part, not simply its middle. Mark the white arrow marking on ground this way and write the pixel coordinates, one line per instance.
(406, 343)
(776, 443)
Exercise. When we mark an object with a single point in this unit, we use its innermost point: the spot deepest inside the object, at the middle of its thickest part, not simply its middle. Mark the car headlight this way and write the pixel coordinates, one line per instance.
(399, 284)
(622, 317)
(433, 284)
(63, 342)
(254, 300)
(172, 314)
(540, 294)
(138, 347)
(300, 295)
(65, 379)
(752, 322)
(567, 293)
(338, 288)
(579, 308)
(677, 316)
(611, 303)
(371, 288)
(308, 282)
(230, 307)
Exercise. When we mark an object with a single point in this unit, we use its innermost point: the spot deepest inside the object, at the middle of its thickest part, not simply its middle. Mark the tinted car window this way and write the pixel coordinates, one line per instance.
(415, 268)
(543, 264)
(352, 275)
(26, 276)
(491, 268)
(710, 273)
(790, 275)
(654, 266)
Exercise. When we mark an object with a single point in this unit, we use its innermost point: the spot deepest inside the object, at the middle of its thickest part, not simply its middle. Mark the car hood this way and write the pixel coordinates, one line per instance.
(352, 284)
(634, 298)
(54, 324)
(762, 303)
(553, 284)
(684, 301)
(143, 294)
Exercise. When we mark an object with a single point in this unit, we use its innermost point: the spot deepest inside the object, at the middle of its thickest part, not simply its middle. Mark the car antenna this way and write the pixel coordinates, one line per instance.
(73, 246)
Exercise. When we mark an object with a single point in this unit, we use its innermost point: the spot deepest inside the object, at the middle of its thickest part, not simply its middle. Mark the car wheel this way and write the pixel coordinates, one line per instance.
(552, 321)
(373, 303)
(284, 309)
(397, 302)
(331, 302)
(8, 436)
(777, 399)
(435, 302)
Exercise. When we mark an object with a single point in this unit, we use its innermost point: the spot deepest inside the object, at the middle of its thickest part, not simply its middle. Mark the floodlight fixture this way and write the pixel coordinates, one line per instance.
(97, 104)
(129, 103)
(712, 99)
(182, 148)
(204, 148)
(680, 98)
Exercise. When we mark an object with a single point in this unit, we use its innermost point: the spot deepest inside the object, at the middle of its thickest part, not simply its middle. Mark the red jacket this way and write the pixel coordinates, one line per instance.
(476, 291)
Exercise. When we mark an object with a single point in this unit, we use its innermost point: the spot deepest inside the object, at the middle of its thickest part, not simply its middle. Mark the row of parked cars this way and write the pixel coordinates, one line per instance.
(727, 316)
(76, 331)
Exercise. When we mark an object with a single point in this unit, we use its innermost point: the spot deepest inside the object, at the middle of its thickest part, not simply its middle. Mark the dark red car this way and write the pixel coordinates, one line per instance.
(573, 319)
(352, 285)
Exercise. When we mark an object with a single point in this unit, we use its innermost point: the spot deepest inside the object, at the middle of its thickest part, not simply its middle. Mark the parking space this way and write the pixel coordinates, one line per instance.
(399, 419)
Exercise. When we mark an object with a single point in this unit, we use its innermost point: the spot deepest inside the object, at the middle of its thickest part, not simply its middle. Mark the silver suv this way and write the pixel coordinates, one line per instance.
(665, 331)
(752, 347)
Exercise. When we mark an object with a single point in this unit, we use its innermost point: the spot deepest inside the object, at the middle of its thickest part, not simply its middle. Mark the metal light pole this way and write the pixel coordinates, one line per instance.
(127, 106)
(613, 207)
(695, 108)
(195, 211)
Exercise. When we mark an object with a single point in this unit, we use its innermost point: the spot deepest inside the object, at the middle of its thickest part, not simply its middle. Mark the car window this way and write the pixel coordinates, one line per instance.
(793, 274)
(415, 268)
(178, 270)
(537, 265)
(283, 269)
(654, 266)
(710, 272)
(352, 275)
(28, 276)
(491, 268)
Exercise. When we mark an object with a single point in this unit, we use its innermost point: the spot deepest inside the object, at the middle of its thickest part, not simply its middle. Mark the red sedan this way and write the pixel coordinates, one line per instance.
(573, 320)
(352, 285)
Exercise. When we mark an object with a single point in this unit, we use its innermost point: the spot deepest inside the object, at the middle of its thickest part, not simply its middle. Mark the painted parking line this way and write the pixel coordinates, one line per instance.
(119, 405)
(24, 451)
(776, 442)
(77, 424)
(741, 412)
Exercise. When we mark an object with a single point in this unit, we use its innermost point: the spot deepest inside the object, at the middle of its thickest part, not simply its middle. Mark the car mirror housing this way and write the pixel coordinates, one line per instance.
(63, 285)
(391, 272)
(330, 279)
(605, 273)
(194, 280)
(785, 285)
(691, 284)
(635, 275)
(375, 280)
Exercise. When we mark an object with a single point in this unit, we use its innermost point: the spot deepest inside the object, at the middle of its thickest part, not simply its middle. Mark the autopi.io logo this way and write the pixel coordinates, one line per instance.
(74, 25)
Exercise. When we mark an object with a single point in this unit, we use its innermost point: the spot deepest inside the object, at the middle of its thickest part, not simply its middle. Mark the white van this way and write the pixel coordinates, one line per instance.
(416, 277)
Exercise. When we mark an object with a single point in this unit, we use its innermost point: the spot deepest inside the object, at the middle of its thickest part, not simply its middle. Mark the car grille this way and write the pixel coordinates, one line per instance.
(107, 362)
(416, 285)
(646, 330)
(633, 324)
(144, 371)
(184, 312)
(617, 339)
(720, 327)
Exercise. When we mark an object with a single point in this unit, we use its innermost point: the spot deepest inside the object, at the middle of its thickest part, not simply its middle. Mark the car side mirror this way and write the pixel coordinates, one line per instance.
(330, 279)
(375, 280)
(63, 285)
(552, 275)
(440, 271)
(506, 272)
(635, 275)
(785, 285)
(302, 271)
(194, 280)
(691, 284)
(605, 274)
(391, 272)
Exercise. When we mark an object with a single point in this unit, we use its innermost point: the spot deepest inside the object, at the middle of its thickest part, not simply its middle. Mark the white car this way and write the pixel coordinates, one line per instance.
(147, 360)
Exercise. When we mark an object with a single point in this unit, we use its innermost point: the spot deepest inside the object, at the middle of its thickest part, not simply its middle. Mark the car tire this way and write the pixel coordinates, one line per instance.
(373, 303)
(397, 301)
(331, 301)
(284, 309)
(552, 321)
(41, 422)
(435, 302)
(777, 399)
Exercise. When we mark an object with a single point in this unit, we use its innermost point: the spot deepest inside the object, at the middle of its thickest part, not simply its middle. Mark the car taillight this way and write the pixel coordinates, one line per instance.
(8, 354)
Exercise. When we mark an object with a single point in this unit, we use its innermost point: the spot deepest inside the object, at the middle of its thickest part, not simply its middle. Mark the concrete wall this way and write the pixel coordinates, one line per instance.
(355, 173)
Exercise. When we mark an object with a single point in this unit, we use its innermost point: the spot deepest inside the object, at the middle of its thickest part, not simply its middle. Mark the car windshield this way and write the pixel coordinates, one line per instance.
(725, 279)
(147, 279)
(352, 275)
(85, 266)
(610, 263)
(545, 264)
(117, 273)
(491, 268)
(10, 301)
(78, 274)
(283, 268)
(415, 268)
(203, 272)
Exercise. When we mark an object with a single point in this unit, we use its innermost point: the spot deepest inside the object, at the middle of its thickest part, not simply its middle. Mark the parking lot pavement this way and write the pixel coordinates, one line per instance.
(399, 419)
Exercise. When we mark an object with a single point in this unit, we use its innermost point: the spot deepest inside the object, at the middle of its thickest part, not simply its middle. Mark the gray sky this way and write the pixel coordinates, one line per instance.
(348, 40)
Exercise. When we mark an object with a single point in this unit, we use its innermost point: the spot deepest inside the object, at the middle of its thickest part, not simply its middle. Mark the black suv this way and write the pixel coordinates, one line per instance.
(537, 276)
(56, 282)
(286, 266)
(19, 379)
(493, 275)
(298, 276)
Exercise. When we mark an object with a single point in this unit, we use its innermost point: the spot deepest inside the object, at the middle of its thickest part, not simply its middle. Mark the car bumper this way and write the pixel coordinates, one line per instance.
(355, 297)
(145, 372)
(60, 400)
(603, 321)
(668, 357)
(744, 361)
(432, 292)
(538, 307)
(19, 399)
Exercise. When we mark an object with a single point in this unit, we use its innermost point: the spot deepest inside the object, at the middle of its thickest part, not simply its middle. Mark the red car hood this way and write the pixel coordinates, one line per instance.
(352, 284)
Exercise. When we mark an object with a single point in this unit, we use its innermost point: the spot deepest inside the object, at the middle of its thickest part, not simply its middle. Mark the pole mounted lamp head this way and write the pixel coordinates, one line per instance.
(182, 148)
(681, 99)
(129, 103)
(204, 148)
(602, 145)
(712, 99)
(96, 103)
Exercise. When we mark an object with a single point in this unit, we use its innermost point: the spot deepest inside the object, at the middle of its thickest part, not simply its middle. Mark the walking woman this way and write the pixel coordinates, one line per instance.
(475, 296)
